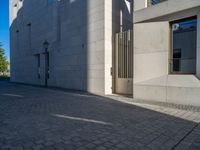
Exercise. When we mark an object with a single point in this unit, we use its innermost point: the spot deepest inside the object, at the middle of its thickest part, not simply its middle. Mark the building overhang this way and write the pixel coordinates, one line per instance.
(168, 11)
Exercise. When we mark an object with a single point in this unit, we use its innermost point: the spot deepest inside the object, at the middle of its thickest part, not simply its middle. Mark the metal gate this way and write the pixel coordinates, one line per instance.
(124, 63)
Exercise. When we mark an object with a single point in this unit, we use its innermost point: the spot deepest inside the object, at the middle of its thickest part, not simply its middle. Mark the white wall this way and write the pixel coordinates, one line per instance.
(140, 4)
(165, 9)
(152, 81)
(151, 51)
(198, 45)
(151, 45)
(108, 46)
(76, 57)
(80, 34)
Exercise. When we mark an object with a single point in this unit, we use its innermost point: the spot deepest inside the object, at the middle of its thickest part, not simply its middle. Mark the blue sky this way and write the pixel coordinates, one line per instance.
(4, 25)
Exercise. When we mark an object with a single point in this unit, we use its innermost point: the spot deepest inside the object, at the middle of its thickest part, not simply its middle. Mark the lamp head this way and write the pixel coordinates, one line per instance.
(46, 44)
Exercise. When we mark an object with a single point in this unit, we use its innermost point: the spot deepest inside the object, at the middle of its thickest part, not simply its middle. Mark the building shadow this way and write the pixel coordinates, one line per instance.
(76, 120)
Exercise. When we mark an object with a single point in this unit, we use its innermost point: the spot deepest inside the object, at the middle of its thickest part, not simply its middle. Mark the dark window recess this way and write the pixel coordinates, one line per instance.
(176, 60)
(29, 35)
(49, 2)
(38, 65)
(184, 38)
(154, 2)
(48, 69)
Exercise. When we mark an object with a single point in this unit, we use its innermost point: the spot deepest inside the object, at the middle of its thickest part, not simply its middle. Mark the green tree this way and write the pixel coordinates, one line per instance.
(3, 61)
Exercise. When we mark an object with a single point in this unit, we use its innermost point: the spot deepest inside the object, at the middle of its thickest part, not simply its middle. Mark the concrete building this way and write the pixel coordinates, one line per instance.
(149, 49)
(80, 36)
(167, 51)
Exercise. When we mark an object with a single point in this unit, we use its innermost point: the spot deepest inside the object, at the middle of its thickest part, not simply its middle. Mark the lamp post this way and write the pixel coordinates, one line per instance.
(46, 46)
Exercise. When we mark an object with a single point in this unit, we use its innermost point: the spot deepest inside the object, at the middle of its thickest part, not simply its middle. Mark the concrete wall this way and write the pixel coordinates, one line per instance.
(198, 45)
(80, 63)
(168, 10)
(80, 34)
(75, 31)
(140, 4)
(151, 45)
(108, 46)
(22, 56)
(152, 81)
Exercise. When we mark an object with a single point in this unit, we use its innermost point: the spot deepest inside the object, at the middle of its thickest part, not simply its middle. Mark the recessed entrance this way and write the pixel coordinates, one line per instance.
(124, 63)
(184, 37)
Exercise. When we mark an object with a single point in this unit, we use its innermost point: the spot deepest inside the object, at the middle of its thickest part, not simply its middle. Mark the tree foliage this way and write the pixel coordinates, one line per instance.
(3, 61)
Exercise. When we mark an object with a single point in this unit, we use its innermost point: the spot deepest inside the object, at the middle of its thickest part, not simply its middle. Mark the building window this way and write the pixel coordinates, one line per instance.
(17, 40)
(176, 60)
(38, 65)
(154, 2)
(29, 35)
(184, 50)
(50, 2)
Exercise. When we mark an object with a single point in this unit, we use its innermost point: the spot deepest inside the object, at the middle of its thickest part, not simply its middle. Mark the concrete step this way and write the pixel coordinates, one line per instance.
(175, 89)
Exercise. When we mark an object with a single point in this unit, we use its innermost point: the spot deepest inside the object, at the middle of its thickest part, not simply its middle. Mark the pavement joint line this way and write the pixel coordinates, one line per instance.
(186, 135)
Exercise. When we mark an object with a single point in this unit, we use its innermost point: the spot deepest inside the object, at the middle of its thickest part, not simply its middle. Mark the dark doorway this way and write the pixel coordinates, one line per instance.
(47, 71)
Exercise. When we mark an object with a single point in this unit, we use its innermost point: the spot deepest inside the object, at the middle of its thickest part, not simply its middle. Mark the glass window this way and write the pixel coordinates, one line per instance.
(49, 2)
(184, 37)
(154, 2)
(38, 65)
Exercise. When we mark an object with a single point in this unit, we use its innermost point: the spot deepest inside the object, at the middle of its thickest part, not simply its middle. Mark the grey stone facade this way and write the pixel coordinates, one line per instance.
(80, 34)
(83, 53)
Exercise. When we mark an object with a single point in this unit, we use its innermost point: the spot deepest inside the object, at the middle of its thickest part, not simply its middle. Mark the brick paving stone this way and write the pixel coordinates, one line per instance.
(46, 119)
(37, 147)
(100, 148)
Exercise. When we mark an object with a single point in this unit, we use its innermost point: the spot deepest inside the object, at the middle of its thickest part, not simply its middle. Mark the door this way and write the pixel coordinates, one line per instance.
(124, 63)
(46, 68)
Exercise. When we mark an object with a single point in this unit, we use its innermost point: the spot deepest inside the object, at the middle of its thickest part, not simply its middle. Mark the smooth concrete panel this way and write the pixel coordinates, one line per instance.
(184, 96)
(159, 81)
(140, 4)
(75, 31)
(198, 45)
(183, 89)
(150, 93)
(176, 89)
(80, 34)
(186, 81)
(151, 50)
(165, 8)
(151, 37)
(150, 65)
(108, 46)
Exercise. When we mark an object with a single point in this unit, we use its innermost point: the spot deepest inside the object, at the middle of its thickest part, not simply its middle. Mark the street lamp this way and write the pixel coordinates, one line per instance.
(46, 46)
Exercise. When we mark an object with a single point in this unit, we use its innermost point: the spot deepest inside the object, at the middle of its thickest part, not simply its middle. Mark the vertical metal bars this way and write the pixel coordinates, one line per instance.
(124, 41)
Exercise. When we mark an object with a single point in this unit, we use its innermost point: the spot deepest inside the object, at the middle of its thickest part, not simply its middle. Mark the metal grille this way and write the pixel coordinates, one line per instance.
(124, 41)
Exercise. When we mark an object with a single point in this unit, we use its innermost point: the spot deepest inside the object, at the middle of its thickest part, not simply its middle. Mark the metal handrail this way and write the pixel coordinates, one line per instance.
(192, 58)
(179, 60)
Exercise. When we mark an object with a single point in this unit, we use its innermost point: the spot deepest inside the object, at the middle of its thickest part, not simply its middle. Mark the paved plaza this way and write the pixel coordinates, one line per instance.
(33, 118)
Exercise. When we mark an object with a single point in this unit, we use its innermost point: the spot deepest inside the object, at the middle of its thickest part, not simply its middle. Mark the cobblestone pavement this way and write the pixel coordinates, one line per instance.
(33, 118)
